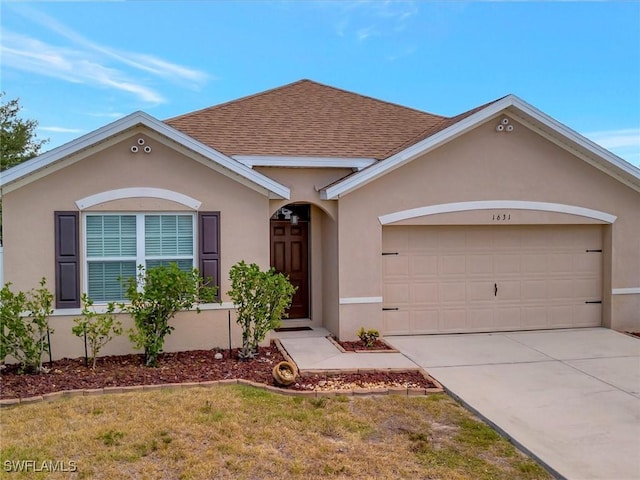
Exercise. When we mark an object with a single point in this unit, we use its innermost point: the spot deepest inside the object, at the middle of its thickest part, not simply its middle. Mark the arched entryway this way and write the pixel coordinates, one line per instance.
(290, 253)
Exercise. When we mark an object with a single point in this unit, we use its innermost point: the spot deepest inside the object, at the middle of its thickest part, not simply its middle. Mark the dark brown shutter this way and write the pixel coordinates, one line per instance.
(67, 259)
(209, 248)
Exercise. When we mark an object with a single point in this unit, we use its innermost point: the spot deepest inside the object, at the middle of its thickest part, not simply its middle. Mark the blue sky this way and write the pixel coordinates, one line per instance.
(78, 65)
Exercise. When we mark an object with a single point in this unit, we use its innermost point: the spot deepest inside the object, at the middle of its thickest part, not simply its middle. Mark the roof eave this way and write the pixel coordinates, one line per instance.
(23, 170)
(626, 172)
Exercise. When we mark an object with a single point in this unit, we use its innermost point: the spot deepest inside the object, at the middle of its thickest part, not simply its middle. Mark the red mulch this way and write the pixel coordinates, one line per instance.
(635, 334)
(358, 345)
(191, 366)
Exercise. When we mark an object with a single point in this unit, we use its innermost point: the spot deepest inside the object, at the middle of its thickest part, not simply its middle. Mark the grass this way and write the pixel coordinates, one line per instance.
(243, 432)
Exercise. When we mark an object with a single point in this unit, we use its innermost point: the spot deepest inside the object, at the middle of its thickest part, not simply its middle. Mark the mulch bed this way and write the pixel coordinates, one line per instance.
(635, 334)
(360, 346)
(180, 367)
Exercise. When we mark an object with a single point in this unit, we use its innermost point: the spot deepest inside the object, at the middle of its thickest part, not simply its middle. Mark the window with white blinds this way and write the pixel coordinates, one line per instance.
(117, 244)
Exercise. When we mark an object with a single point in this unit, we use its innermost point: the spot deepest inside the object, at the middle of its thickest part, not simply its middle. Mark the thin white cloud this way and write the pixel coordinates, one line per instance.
(365, 19)
(144, 62)
(628, 137)
(55, 129)
(31, 55)
(625, 142)
(87, 62)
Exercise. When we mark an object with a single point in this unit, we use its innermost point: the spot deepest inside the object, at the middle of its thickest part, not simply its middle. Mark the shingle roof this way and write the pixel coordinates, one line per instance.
(306, 118)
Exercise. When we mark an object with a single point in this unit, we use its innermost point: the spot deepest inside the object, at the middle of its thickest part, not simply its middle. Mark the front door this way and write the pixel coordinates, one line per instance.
(289, 255)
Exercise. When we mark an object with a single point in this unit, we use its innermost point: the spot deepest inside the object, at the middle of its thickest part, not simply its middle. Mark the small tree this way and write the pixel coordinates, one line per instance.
(24, 323)
(156, 295)
(18, 140)
(261, 298)
(100, 328)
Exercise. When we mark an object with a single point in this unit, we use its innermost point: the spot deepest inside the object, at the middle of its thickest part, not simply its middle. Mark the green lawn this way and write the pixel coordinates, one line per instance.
(243, 432)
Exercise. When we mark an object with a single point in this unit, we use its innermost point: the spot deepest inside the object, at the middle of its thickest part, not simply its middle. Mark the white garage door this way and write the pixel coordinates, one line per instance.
(442, 279)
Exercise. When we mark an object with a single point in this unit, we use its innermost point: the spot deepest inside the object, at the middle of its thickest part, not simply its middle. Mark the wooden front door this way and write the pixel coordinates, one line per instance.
(289, 255)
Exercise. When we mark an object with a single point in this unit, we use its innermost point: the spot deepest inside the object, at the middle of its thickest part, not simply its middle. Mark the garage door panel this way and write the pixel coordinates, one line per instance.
(508, 239)
(534, 290)
(534, 263)
(480, 264)
(452, 293)
(454, 320)
(535, 317)
(395, 240)
(561, 289)
(480, 291)
(508, 290)
(442, 278)
(424, 293)
(397, 321)
(453, 265)
(506, 264)
(507, 318)
(424, 266)
(425, 321)
(395, 266)
(561, 263)
(480, 319)
(587, 262)
(397, 293)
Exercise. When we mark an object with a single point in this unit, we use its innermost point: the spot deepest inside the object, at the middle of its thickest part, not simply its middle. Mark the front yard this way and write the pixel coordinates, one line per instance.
(244, 432)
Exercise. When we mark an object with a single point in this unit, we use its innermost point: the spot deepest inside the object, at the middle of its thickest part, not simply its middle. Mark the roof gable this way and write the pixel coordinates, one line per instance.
(77, 149)
(307, 119)
(452, 128)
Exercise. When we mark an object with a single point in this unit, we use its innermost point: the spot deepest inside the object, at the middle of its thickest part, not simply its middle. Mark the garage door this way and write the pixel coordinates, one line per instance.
(442, 279)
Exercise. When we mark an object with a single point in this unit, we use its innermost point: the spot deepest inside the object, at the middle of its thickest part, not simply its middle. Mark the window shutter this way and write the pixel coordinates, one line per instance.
(67, 257)
(209, 248)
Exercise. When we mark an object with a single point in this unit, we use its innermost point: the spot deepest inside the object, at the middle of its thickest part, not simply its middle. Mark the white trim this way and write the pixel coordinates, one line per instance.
(308, 162)
(496, 204)
(127, 123)
(137, 192)
(359, 300)
(626, 291)
(217, 306)
(614, 164)
(102, 308)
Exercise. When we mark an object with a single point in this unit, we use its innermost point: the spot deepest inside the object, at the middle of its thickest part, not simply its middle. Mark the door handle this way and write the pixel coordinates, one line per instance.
(495, 289)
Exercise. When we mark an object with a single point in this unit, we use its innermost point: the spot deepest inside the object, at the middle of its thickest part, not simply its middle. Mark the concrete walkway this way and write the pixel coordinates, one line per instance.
(569, 397)
(311, 350)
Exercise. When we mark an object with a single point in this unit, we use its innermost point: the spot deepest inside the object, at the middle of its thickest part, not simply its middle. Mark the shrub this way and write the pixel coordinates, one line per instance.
(261, 298)
(99, 328)
(156, 295)
(24, 325)
(368, 337)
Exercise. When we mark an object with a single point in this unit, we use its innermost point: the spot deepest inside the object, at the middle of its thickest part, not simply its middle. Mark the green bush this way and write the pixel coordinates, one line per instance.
(100, 328)
(156, 295)
(24, 324)
(261, 299)
(368, 337)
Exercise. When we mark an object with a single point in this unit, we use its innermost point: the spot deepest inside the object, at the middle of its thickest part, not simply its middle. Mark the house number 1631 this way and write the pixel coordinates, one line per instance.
(501, 217)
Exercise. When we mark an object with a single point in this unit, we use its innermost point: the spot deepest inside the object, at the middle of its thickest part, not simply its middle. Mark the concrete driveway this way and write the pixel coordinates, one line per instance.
(571, 398)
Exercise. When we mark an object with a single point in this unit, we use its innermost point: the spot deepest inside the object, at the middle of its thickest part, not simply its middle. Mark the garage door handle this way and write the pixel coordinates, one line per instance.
(495, 289)
(386, 309)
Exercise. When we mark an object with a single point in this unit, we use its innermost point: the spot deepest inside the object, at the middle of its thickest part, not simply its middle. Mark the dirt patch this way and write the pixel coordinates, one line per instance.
(181, 367)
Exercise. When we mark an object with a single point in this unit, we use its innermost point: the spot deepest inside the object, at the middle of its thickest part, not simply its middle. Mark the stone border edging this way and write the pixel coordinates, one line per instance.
(53, 396)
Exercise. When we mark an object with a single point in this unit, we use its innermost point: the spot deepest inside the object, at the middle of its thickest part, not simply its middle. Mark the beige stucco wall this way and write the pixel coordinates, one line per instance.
(486, 165)
(29, 227)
